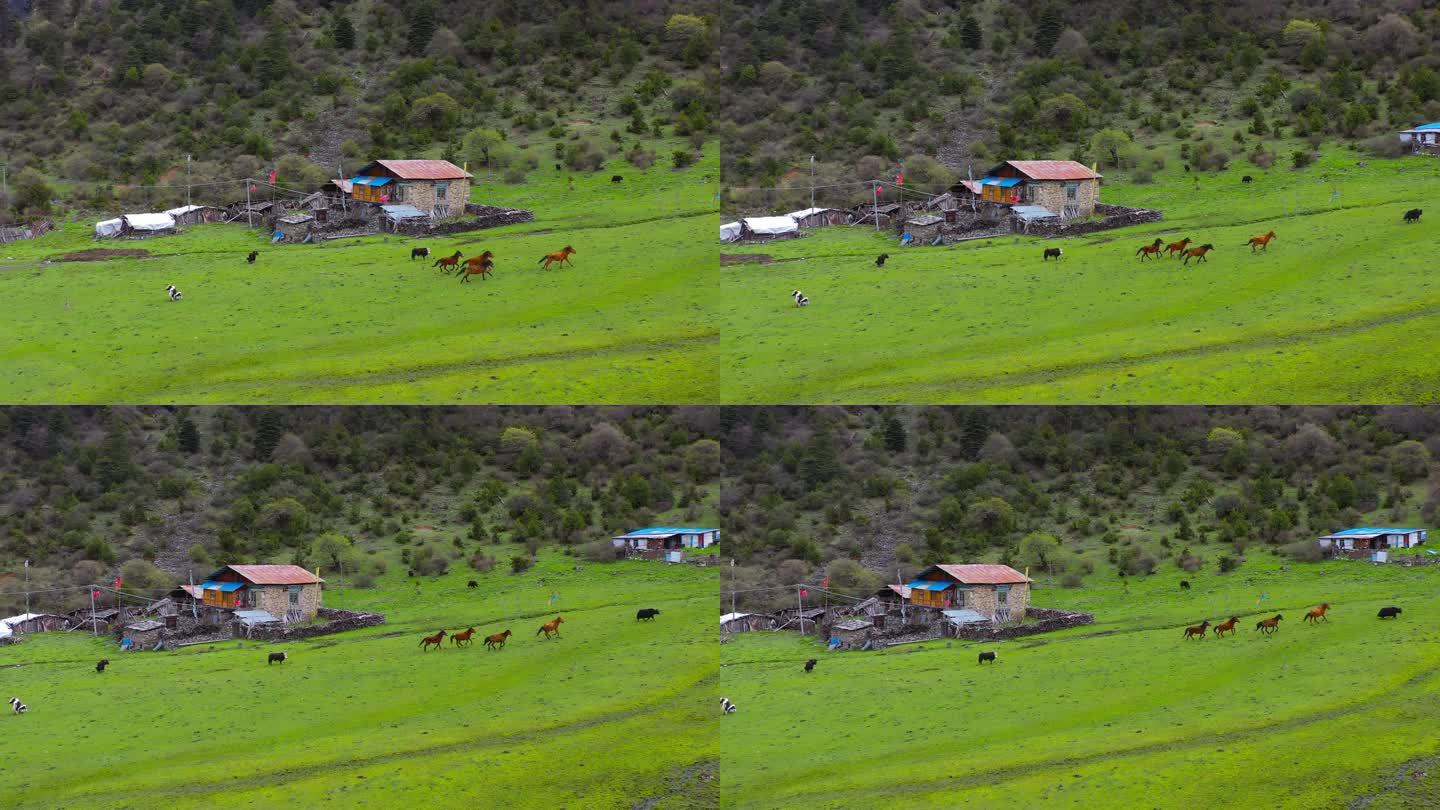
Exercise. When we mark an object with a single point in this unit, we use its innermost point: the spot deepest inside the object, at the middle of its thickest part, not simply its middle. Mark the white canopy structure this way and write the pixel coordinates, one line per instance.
(770, 226)
(108, 228)
(729, 231)
(797, 215)
(150, 222)
(182, 210)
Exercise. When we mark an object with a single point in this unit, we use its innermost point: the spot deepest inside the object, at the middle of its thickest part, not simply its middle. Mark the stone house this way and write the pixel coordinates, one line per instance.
(144, 635)
(997, 592)
(438, 188)
(1066, 188)
(287, 592)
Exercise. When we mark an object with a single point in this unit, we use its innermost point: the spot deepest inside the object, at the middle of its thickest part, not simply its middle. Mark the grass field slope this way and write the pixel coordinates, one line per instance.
(1335, 311)
(1122, 713)
(617, 713)
(357, 321)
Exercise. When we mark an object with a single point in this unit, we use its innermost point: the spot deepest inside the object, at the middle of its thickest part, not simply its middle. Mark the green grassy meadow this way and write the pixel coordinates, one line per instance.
(1336, 311)
(1121, 713)
(356, 321)
(365, 719)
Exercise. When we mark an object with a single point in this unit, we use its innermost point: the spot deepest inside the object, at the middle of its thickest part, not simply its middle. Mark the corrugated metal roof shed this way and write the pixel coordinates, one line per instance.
(961, 616)
(141, 627)
(853, 624)
(1032, 212)
(254, 617)
(399, 211)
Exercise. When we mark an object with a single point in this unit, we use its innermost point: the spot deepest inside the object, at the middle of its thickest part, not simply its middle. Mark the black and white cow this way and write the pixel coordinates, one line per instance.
(800, 299)
(280, 656)
(173, 293)
(726, 707)
(1052, 253)
(17, 706)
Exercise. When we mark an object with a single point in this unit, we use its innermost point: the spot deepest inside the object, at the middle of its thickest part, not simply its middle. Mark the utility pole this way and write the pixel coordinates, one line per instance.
(187, 178)
(249, 215)
(876, 209)
(812, 181)
(93, 630)
(5, 179)
(27, 586)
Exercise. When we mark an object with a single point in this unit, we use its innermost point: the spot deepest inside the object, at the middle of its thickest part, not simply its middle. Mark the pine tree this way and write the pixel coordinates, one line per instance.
(973, 432)
(344, 32)
(422, 28)
(894, 435)
(189, 438)
(267, 434)
(970, 35)
(1047, 29)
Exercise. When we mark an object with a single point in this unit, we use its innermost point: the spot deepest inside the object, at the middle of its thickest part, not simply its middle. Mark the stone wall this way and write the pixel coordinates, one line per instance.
(1115, 216)
(484, 216)
(1049, 620)
(336, 621)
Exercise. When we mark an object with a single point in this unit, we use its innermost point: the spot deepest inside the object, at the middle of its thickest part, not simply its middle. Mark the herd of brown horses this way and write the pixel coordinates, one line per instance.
(1264, 626)
(495, 641)
(484, 264)
(1183, 250)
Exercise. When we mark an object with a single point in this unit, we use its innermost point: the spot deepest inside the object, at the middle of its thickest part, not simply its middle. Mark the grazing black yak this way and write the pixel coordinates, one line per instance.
(421, 253)
(101, 664)
(251, 258)
(880, 260)
(280, 656)
(987, 656)
(472, 584)
(1413, 215)
(810, 665)
(615, 178)
(1247, 178)
(648, 614)
(1389, 612)
(1184, 584)
(1052, 253)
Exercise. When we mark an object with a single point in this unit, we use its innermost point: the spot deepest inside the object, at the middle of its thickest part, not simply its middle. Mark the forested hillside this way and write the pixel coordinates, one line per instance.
(99, 97)
(868, 494)
(160, 493)
(939, 85)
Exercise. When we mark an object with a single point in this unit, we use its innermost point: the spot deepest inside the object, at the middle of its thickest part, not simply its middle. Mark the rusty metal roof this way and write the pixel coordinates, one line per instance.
(983, 574)
(274, 574)
(1052, 169)
(422, 169)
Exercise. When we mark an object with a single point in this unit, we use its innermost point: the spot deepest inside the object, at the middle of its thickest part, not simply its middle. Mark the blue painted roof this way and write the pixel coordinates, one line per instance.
(224, 587)
(930, 585)
(665, 530)
(1366, 530)
(1435, 125)
(1002, 182)
(370, 181)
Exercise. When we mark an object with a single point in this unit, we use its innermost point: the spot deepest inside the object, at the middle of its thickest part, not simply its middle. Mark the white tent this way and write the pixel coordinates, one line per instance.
(150, 222)
(21, 619)
(798, 215)
(770, 226)
(729, 231)
(182, 210)
(108, 228)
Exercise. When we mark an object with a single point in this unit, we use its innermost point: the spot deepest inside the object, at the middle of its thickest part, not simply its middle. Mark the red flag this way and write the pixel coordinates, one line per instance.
(804, 592)
(826, 582)
(95, 594)
(117, 582)
(272, 177)
(253, 189)
(900, 178)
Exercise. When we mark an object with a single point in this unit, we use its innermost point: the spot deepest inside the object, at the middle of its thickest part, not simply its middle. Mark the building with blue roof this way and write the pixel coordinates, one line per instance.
(666, 538)
(1424, 138)
(1360, 541)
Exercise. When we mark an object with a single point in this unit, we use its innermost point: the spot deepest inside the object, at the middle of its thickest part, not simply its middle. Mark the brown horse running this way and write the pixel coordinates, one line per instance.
(461, 639)
(436, 639)
(550, 627)
(497, 641)
(448, 263)
(1318, 613)
(1229, 625)
(1151, 250)
(1262, 241)
(562, 256)
(1198, 253)
(1198, 630)
(1177, 247)
(481, 266)
(1268, 626)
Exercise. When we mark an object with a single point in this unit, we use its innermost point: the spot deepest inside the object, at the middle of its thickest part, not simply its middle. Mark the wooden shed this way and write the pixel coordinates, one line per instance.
(33, 623)
(998, 592)
(144, 635)
(924, 229)
(819, 217)
(744, 622)
(293, 227)
(852, 633)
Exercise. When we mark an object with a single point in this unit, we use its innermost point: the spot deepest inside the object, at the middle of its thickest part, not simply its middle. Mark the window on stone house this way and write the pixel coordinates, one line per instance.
(294, 594)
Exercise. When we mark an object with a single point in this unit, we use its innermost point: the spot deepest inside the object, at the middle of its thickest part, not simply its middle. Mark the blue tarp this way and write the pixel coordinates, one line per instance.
(930, 585)
(1002, 182)
(370, 181)
(224, 587)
